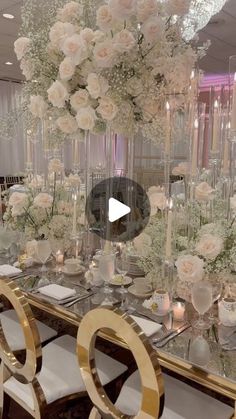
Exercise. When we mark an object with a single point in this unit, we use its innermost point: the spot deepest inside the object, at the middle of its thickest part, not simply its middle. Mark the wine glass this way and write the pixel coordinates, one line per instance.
(107, 268)
(6, 242)
(122, 267)
(202, 301)
(43, 253)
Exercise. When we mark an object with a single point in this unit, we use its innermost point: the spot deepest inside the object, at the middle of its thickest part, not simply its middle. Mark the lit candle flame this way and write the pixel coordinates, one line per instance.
(216, 104)
(167, 106)
(235, 77)
(196, 123)
(192, 75)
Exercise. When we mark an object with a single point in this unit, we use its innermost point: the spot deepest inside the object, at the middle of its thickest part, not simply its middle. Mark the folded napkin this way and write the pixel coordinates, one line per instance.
(147, 326)
(57, 292)
(8, 270)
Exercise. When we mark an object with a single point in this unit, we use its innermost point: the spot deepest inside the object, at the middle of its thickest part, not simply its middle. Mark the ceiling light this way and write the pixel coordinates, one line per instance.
(8, 16)
(9, 63)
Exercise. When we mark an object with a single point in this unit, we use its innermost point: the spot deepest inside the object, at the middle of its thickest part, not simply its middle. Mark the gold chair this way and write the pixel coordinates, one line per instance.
(142, 395)
(49, 377)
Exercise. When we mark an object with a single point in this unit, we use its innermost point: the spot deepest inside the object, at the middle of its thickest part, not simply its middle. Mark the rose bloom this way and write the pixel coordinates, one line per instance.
(203, 192)
(71, 10)
(86, 118)
(153, 29)
(79, 99)
(57, 94)
(122, 9)
(59, 32)
(27, 69)
(177, 7)
(73, 180)
(37, 106)
(142, 244)
(43, 200)
(104, 18)
(21, 47)
(67, 124)
(157, 200)
(233, 203)
(146, 8)
(209, 246)
(36, 182)
(107, 108)
(76, 48)
(55, 166)
(134, 86)
(104, 54)
(124, 41)
(97, 86)
(18, 199)
(150, 107)
(87, 35)
(155, 189)
(190, 268)
(182, 169)
(67, 69)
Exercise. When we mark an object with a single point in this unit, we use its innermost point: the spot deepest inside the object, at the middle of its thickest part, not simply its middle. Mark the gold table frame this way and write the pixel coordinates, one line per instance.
(209, 380)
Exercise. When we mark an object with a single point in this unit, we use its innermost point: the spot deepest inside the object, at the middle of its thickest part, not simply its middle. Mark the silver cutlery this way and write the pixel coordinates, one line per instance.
(71, 303)
(172, 335)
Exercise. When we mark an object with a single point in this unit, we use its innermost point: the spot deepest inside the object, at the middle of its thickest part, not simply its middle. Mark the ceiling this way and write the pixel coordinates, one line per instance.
(221, 31)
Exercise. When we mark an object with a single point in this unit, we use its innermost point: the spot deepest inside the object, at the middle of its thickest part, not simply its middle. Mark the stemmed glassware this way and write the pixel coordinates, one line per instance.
(6, 242)
(202, 300)
(107, 269)
(122, 267)
(43, 253)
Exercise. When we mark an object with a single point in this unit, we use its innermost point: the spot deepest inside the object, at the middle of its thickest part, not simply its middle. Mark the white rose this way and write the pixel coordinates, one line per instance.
(134, 86)
(55, 166)
(57, 94)
(190, 268)
(17, 210)
(122, 9)
(37, 106)
(86, 118)
(150, 107)
(75, 48)
(18, 199)
(87, 35)
(154, 189)
(177, 7)
(67, 124)
(146, 8)
(98, 36)
(71, 10)
(97, 86)
(209, 246)
(104, 54)
(73, 180)
(21, 47)
(153, 29)
(36, 182)
(27, 68)
(233, 203)
(59, 32)
(183, 169)
(142, 244)
(204, 192)
(43, 200)
(124, 41)
(79, 99)
(107, 108)
(157, 200)
(67, 69)
(104, 18)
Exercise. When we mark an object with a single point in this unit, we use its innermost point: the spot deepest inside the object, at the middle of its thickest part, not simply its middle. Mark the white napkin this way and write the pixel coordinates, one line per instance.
(57, 292)
(8, 270)
(147, 326)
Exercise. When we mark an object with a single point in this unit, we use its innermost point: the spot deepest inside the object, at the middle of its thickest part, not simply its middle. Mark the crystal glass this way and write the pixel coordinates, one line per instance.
(122, 267)
(202, 300)
(43, 253)
(6, 242)
(107, 269)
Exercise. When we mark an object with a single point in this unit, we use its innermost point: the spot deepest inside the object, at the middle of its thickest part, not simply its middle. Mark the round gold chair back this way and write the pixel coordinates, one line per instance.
(145, 356)
(26, 372)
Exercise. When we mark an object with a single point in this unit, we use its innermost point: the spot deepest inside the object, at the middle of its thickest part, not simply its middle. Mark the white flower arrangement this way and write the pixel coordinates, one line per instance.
(113, 62)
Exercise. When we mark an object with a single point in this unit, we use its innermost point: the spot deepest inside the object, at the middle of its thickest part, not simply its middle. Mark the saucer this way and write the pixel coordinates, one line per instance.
(79, 271)
(132, 290)
(115, 281)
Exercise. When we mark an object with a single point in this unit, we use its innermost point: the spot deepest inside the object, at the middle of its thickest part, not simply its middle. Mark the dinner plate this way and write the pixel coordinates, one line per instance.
(116, 282)
(75, 273)
(132, 290)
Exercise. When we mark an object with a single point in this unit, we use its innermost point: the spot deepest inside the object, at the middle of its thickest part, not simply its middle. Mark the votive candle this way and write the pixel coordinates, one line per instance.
(178, 311)
(59, 257)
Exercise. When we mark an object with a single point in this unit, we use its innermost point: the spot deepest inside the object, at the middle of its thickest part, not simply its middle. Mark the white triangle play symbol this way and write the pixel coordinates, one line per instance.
(117, 210)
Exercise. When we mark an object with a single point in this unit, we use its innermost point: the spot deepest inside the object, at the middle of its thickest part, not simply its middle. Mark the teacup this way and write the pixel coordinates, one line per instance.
(142, 286)
(162, 299)
(72, 265)
(97, 280)
(227, 311)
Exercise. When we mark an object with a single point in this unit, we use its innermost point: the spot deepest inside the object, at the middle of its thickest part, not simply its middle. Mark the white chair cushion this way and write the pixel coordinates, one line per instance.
(14, 333)
(60, 375)
(181, 400)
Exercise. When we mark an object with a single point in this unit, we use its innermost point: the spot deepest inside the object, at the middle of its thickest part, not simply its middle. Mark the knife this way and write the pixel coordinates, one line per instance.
(77, 300)
(172, 336)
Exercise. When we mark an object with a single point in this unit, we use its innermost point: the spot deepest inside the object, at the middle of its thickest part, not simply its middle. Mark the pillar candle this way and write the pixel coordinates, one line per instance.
(233, 116)
(194, 157)
(168, 130)
(216, 128)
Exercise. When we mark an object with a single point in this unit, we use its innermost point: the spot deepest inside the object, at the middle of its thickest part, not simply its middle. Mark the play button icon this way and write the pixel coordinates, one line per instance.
(117, 209)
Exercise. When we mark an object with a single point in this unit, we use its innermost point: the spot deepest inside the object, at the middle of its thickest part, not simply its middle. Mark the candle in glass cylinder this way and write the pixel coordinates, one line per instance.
(226, 151)
(233, 115)
(216, 128)
(169, 233)
(74, 225)
(195, 149)
(59, 257)
(28, 147)
(168, 130)
(76, 152)
(178, 311)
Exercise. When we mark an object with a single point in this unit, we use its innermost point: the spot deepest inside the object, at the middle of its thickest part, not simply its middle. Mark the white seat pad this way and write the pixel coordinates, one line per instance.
(60, 375)
(181, 400)
(14, 334)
